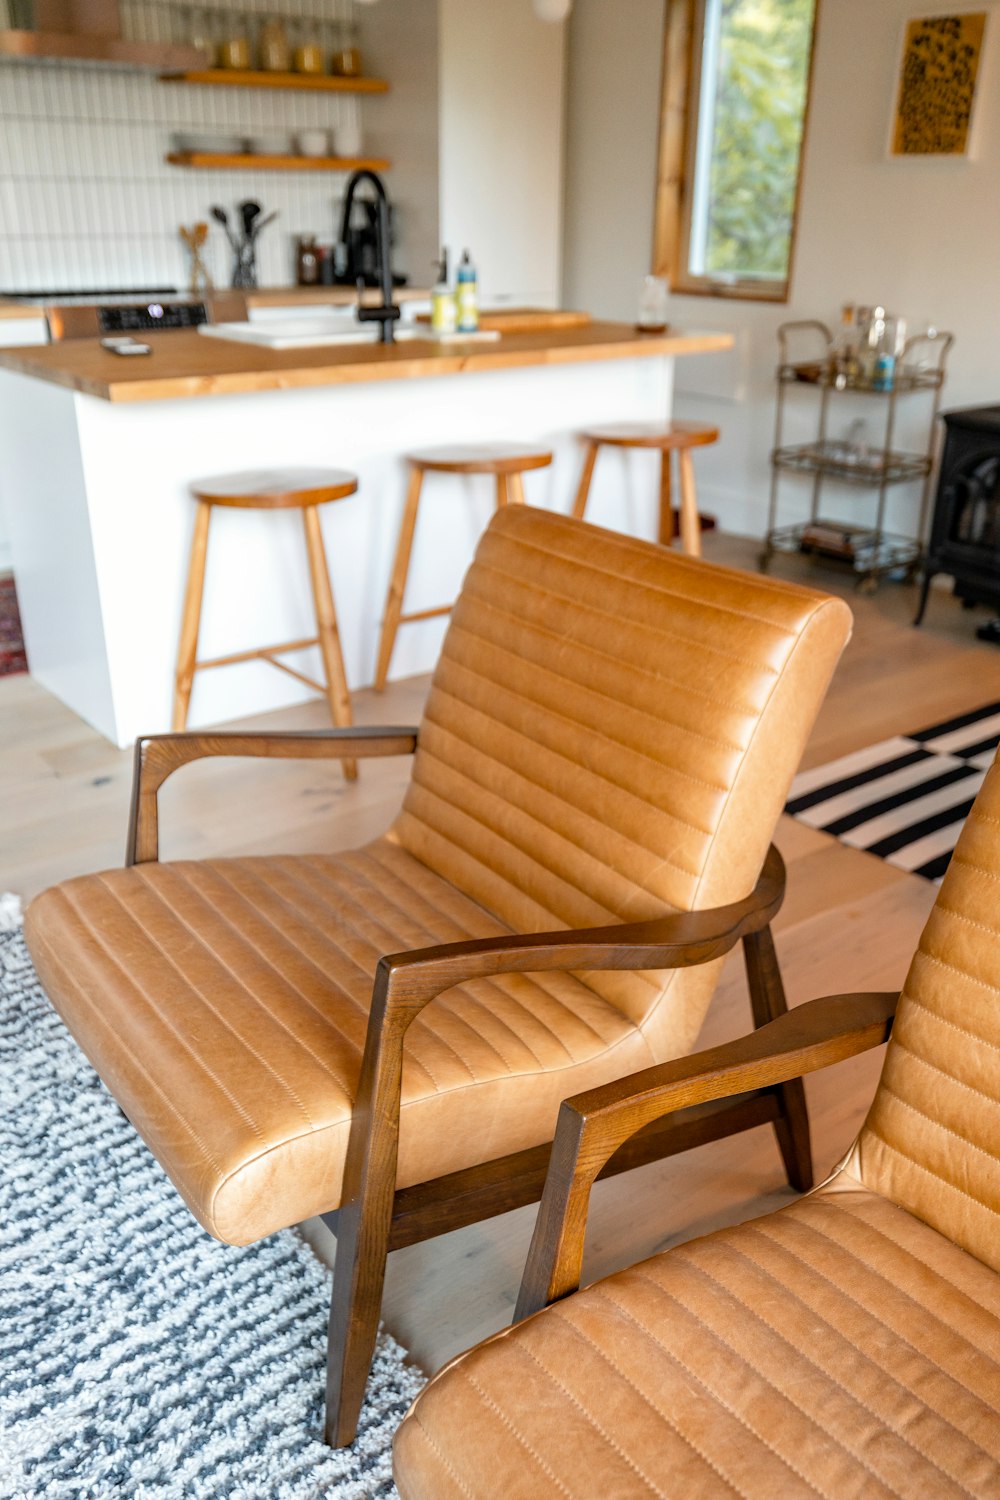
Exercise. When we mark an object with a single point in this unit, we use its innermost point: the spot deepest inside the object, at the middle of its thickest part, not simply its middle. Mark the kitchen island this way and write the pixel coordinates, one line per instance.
(97, 451)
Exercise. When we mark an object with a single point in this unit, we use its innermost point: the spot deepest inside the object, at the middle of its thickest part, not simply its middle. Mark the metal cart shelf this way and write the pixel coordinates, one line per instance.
(870, 551)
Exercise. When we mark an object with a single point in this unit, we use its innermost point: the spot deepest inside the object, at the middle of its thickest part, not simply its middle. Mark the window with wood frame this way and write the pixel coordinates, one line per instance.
(735, 99)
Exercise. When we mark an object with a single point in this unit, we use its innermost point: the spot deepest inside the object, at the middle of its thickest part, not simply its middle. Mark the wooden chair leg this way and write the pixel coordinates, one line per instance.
(666, 527)
(515, 489)
(502, 492)
(583, 488)
(397, 582)
(329, 636)
(187, 650)
(690, 525)
(767, 1001)
(355, 1307)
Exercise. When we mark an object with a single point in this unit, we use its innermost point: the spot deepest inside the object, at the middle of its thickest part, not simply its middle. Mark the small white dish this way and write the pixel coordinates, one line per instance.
(313, 142)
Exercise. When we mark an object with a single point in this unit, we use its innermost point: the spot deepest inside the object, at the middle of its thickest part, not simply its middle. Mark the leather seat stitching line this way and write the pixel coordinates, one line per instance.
(927, 1172)
(506, 1422)
(299, 877)
(746, 1308)
(465, 705)
(604, 1291)
(896, 1333)
(442, 1458)
(504, 994)
(519, 1348)
(603, 701)
(831, 1207)
(967, 864)
(443, 729)
(639, 670)
(735, 781)
(285, 978)
(953, 1081)
(156, 892)
(960, 916)
(645, 585)
(161, 1015)
(465, 814)
(972, 1036)
(575, 848)
(964, 1141)
(437, 1011)
(102, 1021)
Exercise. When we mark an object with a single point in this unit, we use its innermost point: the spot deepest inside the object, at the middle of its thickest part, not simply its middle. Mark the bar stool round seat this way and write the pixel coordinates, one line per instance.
(668, 437)
(505, 461)
(276, 489)
(290, 488)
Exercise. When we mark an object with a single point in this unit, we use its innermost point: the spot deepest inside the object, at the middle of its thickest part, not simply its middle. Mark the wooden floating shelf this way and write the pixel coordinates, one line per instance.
(240, 79)
(279, 163)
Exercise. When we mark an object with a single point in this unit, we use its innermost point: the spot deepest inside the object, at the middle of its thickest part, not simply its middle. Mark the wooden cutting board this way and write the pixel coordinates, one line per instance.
(525, 319)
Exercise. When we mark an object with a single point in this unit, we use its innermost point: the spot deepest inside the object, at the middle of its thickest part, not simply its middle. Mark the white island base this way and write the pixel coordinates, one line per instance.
(100, 516)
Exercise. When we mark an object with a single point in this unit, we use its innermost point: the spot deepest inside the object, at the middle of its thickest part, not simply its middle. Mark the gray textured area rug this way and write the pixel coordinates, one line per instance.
(138, 1357)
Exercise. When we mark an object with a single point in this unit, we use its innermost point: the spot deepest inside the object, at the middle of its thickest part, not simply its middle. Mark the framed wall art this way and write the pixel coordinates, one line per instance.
(938, 75)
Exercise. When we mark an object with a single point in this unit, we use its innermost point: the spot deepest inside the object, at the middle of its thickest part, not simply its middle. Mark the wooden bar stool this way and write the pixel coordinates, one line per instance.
(269, 489)
(668, 437)
(506, 461)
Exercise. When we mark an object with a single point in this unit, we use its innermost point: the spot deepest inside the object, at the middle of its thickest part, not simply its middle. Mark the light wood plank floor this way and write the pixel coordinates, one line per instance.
(850, 921)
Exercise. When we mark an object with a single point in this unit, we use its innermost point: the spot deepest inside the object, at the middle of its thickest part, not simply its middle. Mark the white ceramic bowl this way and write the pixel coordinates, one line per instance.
(313, 142)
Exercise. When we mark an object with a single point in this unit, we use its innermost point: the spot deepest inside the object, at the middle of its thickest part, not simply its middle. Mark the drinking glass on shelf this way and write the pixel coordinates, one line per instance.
(653, 299)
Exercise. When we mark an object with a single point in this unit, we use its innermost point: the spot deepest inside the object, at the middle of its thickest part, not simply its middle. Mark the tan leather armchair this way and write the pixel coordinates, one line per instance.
(846, 1346)
(383, 1036)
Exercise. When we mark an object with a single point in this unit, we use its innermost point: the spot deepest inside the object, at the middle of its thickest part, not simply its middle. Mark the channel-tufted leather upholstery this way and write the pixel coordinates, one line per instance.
(610, 736)
(848, 1346)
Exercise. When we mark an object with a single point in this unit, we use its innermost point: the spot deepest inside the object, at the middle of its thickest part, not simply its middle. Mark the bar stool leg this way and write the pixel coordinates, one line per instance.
(666, 533)
(397, 583)
(503, 494)
(583, 488)
(515, 489)
(187, 650)
(690, 525)
(329, 637)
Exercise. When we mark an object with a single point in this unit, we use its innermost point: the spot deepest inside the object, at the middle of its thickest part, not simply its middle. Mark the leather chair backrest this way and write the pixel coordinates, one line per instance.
(931, 1141)
(610, 735)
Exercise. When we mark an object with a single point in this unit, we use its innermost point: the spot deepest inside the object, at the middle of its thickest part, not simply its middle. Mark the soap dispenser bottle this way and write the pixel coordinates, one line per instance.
(467, 295)
(443, 313)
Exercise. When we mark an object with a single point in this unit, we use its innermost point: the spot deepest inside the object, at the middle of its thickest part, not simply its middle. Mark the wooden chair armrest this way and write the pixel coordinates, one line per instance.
(592, 1126)
(158, 756)
(680, 940)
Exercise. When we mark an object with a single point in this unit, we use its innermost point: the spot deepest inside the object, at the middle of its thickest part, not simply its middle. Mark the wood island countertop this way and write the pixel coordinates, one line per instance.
(185, 363)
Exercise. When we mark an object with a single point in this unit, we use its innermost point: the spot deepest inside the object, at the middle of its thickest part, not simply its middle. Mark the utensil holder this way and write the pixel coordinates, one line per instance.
(244, 267)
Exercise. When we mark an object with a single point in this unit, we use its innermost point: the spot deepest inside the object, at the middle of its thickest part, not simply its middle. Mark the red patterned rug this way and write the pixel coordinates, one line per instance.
(12, 657)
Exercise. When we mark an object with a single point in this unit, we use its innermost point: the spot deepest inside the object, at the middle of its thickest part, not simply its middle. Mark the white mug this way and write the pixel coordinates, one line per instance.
(347, 138)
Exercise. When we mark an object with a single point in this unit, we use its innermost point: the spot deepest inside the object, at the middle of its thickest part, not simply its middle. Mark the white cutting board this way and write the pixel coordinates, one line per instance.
(314, 333)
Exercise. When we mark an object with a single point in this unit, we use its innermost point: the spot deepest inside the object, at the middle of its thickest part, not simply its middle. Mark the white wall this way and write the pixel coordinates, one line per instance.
(920, 236)
(501, 130)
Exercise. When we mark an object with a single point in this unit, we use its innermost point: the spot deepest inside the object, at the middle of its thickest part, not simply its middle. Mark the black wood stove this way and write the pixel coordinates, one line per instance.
(965, 531)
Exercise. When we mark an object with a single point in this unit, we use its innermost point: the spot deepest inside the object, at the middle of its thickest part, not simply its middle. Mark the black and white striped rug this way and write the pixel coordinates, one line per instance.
(139, 1358)
(904, 799)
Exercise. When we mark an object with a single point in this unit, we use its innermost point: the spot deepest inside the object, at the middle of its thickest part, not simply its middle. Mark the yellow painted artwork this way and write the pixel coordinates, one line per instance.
(937, 85)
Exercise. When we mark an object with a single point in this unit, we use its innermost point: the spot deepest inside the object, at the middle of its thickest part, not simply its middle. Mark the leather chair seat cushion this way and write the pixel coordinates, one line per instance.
(225, 1003)
(840, 1347)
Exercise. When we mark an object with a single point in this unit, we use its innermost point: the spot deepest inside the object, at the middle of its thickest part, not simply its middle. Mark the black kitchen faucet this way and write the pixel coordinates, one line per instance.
(387, 312)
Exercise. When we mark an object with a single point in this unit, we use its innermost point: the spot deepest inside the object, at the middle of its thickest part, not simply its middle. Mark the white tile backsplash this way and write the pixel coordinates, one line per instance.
(87, 198)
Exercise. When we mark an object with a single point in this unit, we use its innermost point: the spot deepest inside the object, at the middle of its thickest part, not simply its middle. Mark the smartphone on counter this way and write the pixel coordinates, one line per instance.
(125, 344)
